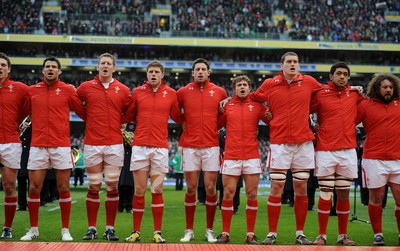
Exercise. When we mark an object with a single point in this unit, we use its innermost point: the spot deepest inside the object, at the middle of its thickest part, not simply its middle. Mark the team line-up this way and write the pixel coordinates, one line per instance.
(202, 107)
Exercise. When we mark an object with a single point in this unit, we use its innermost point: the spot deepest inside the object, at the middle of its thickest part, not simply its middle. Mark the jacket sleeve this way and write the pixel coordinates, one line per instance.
(360, 112)
(179, 95)
(81, 93)
(314, 103)
(221, 120)
(76, 104)
(316, 86)
(261, 94)
(175, 112)
(262, 114)
(26, 103)
(125, 117)
(131, 112)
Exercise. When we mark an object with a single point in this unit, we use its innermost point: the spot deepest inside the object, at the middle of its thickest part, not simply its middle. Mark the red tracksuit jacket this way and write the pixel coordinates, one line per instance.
(50, 113)
(241, 118)
(200, 113)
(290, 107)
(150, 110)
(14, 106)
(336, 115)
(381, 124)
(104, 110)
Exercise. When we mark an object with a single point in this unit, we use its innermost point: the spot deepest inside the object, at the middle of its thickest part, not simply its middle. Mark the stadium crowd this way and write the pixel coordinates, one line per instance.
(347, 21)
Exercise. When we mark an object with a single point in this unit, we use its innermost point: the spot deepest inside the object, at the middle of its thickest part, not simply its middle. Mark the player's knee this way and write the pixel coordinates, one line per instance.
(111, 186)
(326, 186)
(343, 183)
(251, 194)
(301, 175)
(94, 178)
(277, 176)
(111, 173)
(156, 184)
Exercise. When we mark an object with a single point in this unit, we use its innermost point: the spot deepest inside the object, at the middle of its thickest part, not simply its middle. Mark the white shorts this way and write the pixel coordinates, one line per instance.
(149, 159)
(377, 173)
(50, 157)
(111, 154)
(196, 159)
(10, 155)
(238, 167)
(342, 162)
(288, 156)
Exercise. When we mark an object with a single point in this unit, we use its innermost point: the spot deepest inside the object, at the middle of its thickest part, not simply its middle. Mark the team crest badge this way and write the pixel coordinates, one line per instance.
(211, 93)
(58, 90)
(11, 88)
(250, 108)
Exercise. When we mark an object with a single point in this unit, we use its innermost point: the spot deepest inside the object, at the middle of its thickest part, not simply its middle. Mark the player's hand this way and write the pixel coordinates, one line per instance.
(268, 114)
(358, 88)
(223, 103)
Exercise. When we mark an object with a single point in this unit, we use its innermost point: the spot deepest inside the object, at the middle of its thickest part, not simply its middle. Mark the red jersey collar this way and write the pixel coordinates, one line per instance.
(206, 84)
(5, 81)
(97, 79)
(162, 84)
(333, 86)
(55, 83)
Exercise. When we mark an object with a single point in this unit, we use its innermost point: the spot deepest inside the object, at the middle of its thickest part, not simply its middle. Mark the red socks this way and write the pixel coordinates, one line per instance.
(274, 211)
(190, 209)
(251, 215)
(65, 208)
(92, 206)
(138, 210)
(10, 206)
(211, 207)
(157, 208)
(300, 211)
(33, 208)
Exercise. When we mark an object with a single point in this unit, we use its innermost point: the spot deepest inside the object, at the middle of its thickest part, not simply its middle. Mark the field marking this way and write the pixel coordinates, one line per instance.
(58, 207)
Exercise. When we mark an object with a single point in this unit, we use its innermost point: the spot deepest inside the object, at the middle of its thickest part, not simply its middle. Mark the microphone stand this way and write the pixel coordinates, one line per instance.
(354, 215)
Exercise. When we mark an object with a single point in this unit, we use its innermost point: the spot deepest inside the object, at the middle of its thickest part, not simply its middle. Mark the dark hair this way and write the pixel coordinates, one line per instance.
(290, 53)
(155, 63)
(201, 60)
(4, 56)
(52, 58)
(339, 64)
(108, 55)
(373, 90)
(241, 78)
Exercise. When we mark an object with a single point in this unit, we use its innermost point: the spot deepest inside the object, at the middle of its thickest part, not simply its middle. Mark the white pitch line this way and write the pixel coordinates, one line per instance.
(58, 207)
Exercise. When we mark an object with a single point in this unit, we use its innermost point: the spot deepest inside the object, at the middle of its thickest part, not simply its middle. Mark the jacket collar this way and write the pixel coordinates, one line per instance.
(160, 87)
(332, 86)
(5, 81)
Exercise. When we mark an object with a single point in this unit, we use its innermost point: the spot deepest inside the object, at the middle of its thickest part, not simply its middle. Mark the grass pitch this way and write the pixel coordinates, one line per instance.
(174, 221)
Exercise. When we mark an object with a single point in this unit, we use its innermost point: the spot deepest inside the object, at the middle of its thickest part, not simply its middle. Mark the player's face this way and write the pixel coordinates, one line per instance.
(340, 78)
(4, 69)
(290, 66)
(386, 90)
(200, 73)
(50, 71)
(106, 67)
(242, 89)
(154, 76)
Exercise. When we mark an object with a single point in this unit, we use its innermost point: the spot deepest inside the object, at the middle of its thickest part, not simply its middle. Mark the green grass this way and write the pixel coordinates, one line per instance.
(174, 221)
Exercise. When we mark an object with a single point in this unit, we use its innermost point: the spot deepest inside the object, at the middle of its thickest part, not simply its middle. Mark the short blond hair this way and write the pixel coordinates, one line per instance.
(107, 55)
